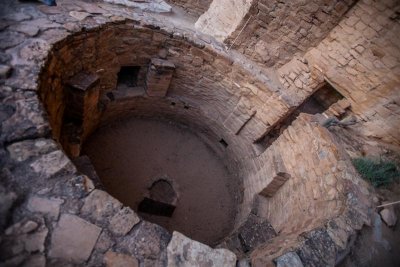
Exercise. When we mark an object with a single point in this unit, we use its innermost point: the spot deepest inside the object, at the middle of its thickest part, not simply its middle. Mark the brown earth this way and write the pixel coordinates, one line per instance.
(131, 154)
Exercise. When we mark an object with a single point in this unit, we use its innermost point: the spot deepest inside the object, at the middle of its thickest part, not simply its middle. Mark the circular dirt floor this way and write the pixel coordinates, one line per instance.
(131, 154)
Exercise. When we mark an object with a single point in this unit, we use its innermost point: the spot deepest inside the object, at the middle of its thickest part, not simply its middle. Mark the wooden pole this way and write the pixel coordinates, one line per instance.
(388, 204)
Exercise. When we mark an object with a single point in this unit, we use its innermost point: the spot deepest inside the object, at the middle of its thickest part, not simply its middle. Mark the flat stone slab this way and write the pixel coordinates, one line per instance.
(158, 6)
(83, 81)
(123, 221)
(389, 216)
(290, 259)
(184, 252)
(73, 239)
(100, 205)
(147, 241)
(52, 163)
(113, 259)
(254, 232)
(22, 151)
(48, 206)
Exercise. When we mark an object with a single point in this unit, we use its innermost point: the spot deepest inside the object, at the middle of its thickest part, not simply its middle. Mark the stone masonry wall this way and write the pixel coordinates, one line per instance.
(195, 7)
(277, 30)
(52, 215)
(361, 59)
(319, 171)
(226, 97)
(223, 98)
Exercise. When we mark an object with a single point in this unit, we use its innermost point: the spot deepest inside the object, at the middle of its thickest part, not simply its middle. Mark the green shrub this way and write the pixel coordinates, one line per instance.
(379, 173)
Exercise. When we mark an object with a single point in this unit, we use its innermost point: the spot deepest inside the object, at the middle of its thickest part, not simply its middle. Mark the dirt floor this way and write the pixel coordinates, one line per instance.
(131, 154)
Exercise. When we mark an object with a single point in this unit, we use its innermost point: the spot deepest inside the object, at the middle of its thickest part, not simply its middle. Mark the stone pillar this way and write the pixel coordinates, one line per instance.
(81, 100)
(159, 77)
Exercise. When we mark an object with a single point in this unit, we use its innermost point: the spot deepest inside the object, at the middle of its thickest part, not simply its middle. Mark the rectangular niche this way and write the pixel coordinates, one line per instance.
(326, 100)
(128, 77)
(320, 100)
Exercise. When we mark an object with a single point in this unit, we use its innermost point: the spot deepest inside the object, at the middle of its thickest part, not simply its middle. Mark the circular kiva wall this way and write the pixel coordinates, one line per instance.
(124, 70)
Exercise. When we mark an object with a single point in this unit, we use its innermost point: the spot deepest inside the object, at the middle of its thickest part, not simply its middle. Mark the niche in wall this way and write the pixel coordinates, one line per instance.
(128, 77)
(321, 101)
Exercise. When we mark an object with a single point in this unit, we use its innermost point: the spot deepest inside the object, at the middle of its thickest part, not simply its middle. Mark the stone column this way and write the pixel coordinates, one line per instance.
(159, 77)
(81, 99)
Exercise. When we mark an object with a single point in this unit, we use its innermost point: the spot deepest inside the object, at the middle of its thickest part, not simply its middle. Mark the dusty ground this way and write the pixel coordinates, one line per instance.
(130, 154)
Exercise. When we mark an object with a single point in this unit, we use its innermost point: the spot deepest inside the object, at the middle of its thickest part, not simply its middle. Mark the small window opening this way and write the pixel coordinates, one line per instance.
(173, 103)
(223, 142)
(186, 107)
(128, 76)
(110, 96)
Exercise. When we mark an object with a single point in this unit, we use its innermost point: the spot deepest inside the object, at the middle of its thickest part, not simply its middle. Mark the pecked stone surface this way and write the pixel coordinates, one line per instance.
(113, 259)
(183, 251)
(73, 239)
(290, 259)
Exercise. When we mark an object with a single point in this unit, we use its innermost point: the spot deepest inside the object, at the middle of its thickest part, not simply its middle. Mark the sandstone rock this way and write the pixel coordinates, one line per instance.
(389, 216)
(243, 263)
(35, 242)
(28, 120)
(14, 261)
(113, 259)
(5, 71)
(318, 249)
(27, 149)
(104, 242)
(100, 205)
(9, 39)
(158, 6)
(222, 18)
(298, 83)
(14, 244)
(183, 251)
(4, 58)
(48, 206)
(30, 30)
(289, 259)
(37, 260)
(52, 163)
(36, 49)
(7, 199)
(123, 221)
(147, 241)
(6, 111)
(88, 184)
(254, 232)
(19, 228)
(79, 15)
(85, 166)
(73, 239)
(72, 27)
